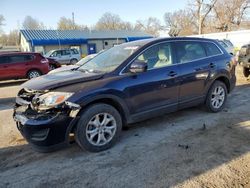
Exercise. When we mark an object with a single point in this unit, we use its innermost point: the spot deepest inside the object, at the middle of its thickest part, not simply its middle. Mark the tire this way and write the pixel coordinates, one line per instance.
(92, 119)
(246, 71)
(52, 67)
(216, 97)
(73, 61)
(33, 74)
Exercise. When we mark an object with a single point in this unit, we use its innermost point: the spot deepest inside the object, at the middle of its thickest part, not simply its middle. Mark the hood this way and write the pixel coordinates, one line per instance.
(64, 68)
(52, 81)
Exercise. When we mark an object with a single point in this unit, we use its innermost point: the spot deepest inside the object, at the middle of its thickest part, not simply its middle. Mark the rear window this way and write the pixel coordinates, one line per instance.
(65, 52)
(20, 58)
(212, 49)
(189, 51)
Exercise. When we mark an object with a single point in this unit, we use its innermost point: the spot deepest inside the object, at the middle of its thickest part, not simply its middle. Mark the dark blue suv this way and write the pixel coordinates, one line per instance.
(125, 84)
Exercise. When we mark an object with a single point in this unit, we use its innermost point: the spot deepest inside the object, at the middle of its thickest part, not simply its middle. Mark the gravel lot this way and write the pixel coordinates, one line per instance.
(189, 148)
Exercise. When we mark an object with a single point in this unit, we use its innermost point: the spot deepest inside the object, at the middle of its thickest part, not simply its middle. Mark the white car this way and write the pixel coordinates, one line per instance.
(78, 64)
(65, 56)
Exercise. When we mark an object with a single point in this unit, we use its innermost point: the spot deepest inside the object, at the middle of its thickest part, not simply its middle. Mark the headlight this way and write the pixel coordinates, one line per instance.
(52, 99)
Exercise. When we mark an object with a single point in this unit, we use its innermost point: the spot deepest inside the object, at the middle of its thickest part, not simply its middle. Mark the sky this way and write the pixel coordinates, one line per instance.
(86, 12)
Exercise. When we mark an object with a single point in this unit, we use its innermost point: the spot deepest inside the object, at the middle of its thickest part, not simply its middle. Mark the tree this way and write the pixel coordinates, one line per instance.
(110, 21)
(1, 22)
(68, 24)
(151, 26)
(181, 20)
(201, 10)
(230, 13)
(31, 23)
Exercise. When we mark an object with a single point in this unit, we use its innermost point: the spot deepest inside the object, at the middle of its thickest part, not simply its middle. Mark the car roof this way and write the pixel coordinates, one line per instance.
(18, 53)
(153, 40)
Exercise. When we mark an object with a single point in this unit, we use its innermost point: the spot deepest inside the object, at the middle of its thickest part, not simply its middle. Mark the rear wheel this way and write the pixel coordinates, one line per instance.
(246, 71)
(216, 97)
(98, 128)
(33, 74)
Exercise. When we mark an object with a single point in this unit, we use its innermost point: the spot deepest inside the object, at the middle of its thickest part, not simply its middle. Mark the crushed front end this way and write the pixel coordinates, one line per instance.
(45, 119)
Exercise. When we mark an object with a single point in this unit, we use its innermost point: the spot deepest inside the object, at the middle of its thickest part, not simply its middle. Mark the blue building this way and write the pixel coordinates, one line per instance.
(87, 42)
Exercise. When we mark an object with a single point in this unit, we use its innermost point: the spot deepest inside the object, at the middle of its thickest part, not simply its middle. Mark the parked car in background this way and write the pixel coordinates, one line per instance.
(17, 65)
(227, 44)
(65, 56)
(125, 84)
(244, 59)
(77, 65)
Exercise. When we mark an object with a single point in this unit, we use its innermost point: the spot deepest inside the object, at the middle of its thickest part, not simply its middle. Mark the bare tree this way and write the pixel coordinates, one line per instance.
(1, 22)
(181, 20)
(109, 21)
(229, 14)
(68, 24)
(31, 23)
(151, 25)
(201, 12)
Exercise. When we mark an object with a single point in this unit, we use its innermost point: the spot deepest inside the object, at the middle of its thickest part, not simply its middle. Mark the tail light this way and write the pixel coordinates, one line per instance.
(44, 60)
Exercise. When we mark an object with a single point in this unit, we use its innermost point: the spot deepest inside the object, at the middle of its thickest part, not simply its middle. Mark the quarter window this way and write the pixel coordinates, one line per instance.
(189, 51)
(212, 49)
(157, 56)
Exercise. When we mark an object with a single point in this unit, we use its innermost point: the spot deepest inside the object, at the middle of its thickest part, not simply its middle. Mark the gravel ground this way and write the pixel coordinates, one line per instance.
(189, 148)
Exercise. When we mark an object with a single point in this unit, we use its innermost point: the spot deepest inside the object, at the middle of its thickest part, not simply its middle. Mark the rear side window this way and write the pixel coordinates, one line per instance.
(65, 52)
(189, 51)
(4, 59)
(212, 49)
(20, 58)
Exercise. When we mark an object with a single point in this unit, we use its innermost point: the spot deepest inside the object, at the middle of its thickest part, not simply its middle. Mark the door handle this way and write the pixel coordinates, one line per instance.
(212, 65)
(172, 74)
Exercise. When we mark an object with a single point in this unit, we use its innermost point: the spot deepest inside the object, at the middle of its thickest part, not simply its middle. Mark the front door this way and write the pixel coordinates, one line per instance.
(158, 87)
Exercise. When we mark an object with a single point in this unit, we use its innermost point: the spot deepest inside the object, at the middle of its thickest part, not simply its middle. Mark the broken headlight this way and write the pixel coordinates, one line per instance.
(52, 99)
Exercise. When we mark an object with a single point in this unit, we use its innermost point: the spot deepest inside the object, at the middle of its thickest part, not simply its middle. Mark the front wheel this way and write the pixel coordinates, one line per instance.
(216, 97)
(73, 61)
(98, 128)
(246, 71)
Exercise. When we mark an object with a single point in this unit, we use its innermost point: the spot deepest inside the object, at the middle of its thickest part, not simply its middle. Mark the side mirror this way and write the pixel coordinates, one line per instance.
(138, 66)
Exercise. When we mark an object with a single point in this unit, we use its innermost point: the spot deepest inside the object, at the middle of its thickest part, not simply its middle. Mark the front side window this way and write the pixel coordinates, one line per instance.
(56, 54)
(157, 56)
(189, 51)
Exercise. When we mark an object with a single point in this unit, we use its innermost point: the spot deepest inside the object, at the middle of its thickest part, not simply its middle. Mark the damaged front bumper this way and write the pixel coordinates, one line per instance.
(48, 130)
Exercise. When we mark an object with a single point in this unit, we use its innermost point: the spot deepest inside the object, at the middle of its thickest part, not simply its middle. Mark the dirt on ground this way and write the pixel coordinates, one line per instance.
(189, 148)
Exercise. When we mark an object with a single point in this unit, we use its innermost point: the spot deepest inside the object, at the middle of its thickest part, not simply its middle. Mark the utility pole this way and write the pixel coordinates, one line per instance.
(73, 20)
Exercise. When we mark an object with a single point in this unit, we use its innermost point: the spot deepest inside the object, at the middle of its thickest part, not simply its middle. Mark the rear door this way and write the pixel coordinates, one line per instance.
(66, 56)
(19, 65)
(195, 68)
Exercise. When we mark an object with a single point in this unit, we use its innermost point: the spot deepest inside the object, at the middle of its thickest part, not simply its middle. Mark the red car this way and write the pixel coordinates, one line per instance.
(16, 65)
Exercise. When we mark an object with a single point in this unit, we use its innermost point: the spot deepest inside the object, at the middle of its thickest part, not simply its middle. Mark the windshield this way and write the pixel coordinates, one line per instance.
(49, 53)
(109, 60)
(85, 59)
